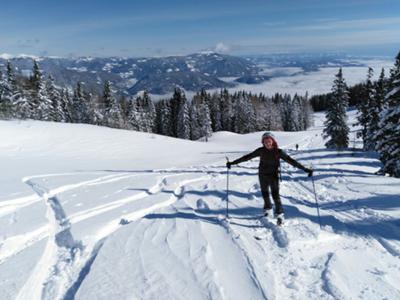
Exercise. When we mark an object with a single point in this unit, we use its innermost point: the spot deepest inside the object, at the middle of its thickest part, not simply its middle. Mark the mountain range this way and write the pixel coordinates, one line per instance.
(160, 75)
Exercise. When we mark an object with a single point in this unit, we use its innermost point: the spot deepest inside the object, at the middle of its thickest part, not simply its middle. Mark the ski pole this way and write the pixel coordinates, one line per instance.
(316, 201)
(227, 189)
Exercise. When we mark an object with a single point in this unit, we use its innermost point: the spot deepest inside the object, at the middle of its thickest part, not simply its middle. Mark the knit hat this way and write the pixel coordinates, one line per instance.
(266, 135)
(271, 136)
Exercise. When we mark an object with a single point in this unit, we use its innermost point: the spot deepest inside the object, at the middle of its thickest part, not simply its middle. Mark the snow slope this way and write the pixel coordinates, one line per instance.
(96, 213)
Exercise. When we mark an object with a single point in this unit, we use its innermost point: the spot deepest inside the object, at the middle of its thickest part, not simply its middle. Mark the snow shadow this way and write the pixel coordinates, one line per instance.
(332, 154)
(368, 227)
(212, 216)
(370, 164)
(321, 173)
(378, 202)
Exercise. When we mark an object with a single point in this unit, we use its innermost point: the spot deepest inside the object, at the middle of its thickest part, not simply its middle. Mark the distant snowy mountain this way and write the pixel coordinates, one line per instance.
(267, 74)
(132, 75)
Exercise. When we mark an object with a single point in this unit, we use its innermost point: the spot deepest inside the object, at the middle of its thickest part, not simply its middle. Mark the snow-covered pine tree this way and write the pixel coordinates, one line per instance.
(365, 107)
(5, 98)
(42, 105)
(63, 107)
(274, 111)
(163, 118)
(141, 114)
(134, 116)
(388, 135)
(175, 104)
(336, 129)
(226, 107)
(204, 120)
(286, 111)
(103, 105)
(213, 103)
(79, 113)
(115, 117)
(296, 114)
(54, 96)
(20, 105)
(147, 112)
(194, 121)
(266, 115)
(376, 104)
(183, 122)
(215, 112)
(244, 115)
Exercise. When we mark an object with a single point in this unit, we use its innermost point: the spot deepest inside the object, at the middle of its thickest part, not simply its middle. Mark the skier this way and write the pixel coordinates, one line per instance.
(268, 171)
(297, 147)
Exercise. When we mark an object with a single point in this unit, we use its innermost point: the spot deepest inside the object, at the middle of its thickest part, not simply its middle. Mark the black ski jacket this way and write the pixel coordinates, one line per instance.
(269, 160)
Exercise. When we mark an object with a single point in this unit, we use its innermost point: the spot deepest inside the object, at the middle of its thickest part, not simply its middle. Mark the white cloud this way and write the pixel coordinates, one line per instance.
(317, 82)
(221, 48)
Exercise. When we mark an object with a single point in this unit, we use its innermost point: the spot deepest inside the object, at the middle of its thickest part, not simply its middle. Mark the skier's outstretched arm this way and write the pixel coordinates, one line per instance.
(244, 158)
(294, 162)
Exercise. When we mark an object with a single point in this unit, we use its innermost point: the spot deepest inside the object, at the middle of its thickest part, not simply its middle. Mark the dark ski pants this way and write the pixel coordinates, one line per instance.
(267, 183)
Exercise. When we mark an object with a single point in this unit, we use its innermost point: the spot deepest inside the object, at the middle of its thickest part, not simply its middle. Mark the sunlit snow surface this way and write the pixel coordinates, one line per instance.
(95, 213)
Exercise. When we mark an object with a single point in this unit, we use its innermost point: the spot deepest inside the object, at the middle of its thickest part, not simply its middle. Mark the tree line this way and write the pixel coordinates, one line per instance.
(38, 98)
(378, 116)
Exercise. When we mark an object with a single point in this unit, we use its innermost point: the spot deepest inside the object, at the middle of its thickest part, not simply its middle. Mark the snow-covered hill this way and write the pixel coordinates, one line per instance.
(95, 213)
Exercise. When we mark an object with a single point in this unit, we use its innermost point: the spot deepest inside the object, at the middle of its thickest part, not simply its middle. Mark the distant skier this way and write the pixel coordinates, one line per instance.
(297, 147)
(268, 171)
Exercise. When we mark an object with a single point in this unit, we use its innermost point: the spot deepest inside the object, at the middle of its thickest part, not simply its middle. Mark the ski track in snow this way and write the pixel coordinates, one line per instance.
(65, 256)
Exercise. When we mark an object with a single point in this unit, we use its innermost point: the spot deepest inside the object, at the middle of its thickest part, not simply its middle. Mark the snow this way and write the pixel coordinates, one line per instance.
(80, 69)
(11, 56)
(95, 213)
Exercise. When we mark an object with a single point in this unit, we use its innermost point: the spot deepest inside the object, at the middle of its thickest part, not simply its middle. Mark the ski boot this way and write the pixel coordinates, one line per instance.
(267, 212)
(279, 219)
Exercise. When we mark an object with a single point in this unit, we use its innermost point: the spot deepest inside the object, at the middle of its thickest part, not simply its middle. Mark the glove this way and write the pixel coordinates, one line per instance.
(310, 172)
(228, 164)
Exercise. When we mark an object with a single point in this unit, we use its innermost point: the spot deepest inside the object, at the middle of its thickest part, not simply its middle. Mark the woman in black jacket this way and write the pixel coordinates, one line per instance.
(268, 171)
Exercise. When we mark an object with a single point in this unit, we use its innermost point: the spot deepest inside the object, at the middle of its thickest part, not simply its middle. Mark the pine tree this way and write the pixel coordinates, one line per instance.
(183, 122)
(5, 98)
(134, 116)
(226, 110)
(163, 118)
(114, 114)
(41, 104)
(336, 129)
(286, 111)
(388, 135)
(79, 107)
(204, 120)
(195, 133)
(147, 112)
(55, 99)
(244, 116)
(376, 107)
(104, 105)
(63, 107)
(365, 107)
(18, 105)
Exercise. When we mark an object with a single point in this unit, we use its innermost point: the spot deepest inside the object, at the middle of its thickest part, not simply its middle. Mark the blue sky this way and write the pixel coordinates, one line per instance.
(175, 27)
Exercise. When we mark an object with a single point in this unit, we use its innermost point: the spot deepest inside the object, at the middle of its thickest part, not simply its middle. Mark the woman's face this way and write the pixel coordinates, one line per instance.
(268, 143)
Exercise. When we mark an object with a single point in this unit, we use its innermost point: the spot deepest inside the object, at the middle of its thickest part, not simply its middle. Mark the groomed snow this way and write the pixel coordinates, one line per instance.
(96, 213)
